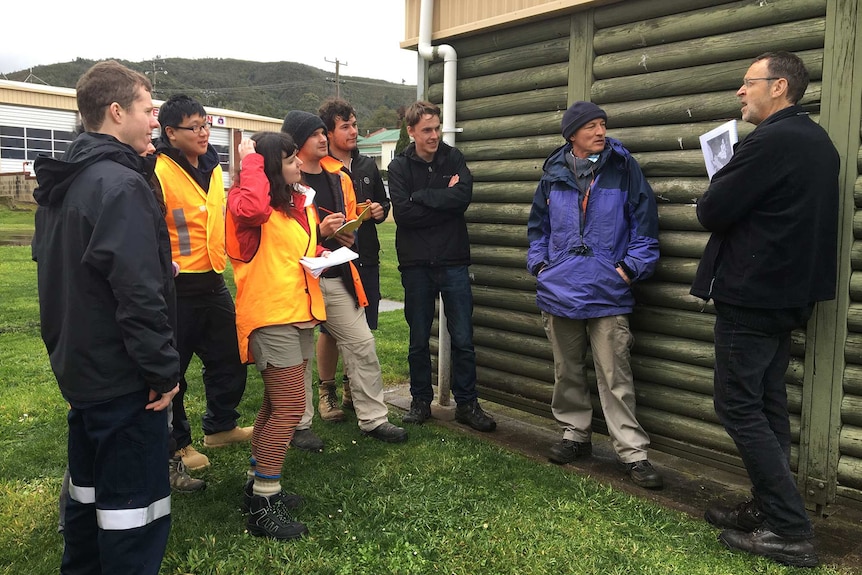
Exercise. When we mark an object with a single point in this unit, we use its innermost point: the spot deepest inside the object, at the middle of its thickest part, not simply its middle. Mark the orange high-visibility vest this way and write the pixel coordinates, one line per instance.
(274, 288)
(333, 166)
(195, 218)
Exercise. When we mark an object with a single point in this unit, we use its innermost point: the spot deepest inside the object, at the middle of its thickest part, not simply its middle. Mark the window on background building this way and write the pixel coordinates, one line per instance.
(223, 157)
(17, 143)
(12, 143)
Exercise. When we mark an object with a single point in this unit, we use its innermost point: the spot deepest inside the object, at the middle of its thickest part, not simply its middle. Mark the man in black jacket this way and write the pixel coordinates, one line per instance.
(773, 214)
(104, 273)
(431, 188)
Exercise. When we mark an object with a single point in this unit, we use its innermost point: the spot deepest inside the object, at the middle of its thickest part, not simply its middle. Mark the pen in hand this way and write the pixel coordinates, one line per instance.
(322, 209)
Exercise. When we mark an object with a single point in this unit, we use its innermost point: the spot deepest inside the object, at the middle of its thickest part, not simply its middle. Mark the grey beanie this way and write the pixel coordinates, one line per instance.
(301, 125)
(579, 114)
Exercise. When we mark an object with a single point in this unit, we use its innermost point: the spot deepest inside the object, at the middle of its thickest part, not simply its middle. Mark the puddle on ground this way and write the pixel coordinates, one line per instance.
(15, 238)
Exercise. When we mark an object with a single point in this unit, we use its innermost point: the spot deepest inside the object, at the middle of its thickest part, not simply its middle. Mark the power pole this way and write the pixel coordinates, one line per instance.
(337, 79)
(156, 63)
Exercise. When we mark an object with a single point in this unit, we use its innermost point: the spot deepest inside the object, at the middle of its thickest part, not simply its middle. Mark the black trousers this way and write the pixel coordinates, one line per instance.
(752, 352)
(206, 326)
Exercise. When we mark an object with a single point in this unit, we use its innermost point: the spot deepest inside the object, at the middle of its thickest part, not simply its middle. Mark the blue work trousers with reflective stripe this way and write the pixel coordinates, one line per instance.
(118, 510)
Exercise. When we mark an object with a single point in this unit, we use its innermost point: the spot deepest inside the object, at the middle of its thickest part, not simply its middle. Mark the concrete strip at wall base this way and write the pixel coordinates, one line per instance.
(17, 188)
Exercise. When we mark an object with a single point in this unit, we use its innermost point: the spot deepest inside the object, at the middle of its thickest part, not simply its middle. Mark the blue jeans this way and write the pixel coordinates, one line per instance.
(118, 508)
(422, 284)
(750, 400)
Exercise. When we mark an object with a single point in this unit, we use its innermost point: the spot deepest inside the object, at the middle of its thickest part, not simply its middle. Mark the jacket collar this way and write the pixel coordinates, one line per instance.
(442, 150)
(783, 114)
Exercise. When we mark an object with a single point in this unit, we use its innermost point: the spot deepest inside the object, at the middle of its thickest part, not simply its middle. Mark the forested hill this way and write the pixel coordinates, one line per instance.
(265, 88)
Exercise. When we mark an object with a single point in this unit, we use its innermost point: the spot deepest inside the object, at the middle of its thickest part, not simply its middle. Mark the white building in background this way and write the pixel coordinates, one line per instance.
(381, 146)
(37, 119)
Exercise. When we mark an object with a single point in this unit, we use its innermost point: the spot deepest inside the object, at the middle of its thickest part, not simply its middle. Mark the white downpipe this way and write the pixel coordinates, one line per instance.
(450, 76)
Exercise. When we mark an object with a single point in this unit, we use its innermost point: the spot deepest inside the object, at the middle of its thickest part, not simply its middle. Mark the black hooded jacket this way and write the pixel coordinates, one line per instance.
(368, 185)
(104, 273)
(431, 229)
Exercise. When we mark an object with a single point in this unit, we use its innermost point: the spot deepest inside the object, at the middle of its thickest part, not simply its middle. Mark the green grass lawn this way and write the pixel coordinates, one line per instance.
(442, 503)
(16, 225)
(390, 277)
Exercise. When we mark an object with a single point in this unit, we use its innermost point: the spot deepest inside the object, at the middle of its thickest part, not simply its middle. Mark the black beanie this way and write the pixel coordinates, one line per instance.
(301, 125)
(579, 114)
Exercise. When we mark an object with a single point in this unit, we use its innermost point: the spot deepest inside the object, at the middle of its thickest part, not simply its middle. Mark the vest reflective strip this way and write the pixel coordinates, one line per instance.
(182, 227)
(121, 519)
(85, 495)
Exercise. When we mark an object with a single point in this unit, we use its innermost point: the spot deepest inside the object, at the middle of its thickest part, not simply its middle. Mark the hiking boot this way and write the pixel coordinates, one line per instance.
(268, 517)
(289, 500)
(327, 403)
(306, 440)
(181, 481)
(745, 517)
(471, 414)
(567, 451)
(420, 411)
(388, 433)
(763, 542)
(642, 474)
(346, 396)
(223, 438)
(193, 459)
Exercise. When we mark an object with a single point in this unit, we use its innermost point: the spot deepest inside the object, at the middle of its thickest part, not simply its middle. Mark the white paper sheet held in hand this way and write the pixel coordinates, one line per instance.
(717, 146)
(320, 264)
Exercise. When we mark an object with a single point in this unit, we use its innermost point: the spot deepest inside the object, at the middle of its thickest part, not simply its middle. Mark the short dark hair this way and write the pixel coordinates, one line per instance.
(103, 84)
(790, 67)
(333, 108)
(176, 109)
(271, 145)
(413, 115)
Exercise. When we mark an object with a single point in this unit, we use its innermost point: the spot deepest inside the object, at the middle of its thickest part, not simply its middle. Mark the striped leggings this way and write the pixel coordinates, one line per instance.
(282, 407)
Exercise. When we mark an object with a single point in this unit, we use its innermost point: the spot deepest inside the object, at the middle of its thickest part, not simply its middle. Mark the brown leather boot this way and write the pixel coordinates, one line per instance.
(346, 396)
(328, 402)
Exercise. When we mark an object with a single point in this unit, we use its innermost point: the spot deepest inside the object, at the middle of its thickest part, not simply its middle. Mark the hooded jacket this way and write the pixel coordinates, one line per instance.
(104, 272)
(367, 185)
(574, 254)
(431, 229)
(773, 214)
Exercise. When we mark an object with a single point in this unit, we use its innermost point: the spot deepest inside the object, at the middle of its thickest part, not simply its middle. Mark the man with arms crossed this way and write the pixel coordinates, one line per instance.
(431, 188)
(773, 214)
(103, 283)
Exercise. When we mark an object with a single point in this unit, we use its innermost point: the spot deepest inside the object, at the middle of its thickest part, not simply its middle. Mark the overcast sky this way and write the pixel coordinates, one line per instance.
(363, 35)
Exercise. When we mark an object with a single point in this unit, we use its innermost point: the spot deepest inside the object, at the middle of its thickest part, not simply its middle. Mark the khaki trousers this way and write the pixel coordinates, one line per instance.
(610, 340)
(346, 323)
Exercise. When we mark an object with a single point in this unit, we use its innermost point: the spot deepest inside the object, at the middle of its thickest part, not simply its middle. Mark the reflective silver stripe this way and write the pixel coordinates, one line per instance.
(85, 495)
(119, 519)
(182, 232)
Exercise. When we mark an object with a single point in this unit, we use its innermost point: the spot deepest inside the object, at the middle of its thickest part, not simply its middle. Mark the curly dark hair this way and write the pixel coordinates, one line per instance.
(333, 108)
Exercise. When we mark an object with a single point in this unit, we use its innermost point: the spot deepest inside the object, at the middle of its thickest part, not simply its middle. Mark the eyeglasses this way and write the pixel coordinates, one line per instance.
(196, 129)
(748, 81)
